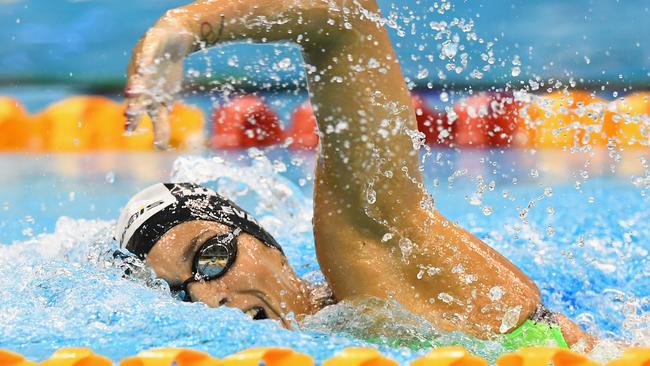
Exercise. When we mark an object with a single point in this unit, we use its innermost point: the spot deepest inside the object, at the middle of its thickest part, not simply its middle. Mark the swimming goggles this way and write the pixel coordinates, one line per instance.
(212, 260)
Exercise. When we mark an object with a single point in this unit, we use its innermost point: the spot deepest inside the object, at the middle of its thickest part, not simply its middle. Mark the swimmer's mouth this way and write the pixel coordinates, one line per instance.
(257, 313)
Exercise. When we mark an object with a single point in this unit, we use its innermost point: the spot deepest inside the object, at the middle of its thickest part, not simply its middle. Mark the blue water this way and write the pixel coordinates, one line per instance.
(584, 240)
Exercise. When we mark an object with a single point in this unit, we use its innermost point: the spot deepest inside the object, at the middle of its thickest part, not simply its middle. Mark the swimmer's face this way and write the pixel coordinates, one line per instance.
(260, 282)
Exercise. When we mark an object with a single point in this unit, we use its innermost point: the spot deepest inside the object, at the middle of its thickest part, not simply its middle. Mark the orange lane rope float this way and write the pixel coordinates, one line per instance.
(170, 357)
(8, 358)
(76, 356)
(628, 119)
(17, 130)
(567, 119)
(449, 356)
(279, 356)
(86, 123)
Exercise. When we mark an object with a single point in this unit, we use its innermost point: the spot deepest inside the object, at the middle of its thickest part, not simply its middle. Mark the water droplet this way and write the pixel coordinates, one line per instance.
(233, 61)
(516, 71)
(496, 293)
(371, 196)
(449, 49)
(386, 237)
(445, 297)
(406, 246)
(110, 177)
(284, 64)
(550, 230)
(279, 166)
(510, 319)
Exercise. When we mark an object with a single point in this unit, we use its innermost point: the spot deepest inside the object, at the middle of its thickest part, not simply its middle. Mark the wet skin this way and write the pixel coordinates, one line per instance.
(260, 276)
(363, 109)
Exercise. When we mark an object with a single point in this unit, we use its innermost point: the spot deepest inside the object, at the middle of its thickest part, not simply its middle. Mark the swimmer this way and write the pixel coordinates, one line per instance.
(375, 227)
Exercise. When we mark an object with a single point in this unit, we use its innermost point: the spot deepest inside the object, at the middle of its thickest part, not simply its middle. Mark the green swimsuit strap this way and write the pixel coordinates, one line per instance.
(540, 329)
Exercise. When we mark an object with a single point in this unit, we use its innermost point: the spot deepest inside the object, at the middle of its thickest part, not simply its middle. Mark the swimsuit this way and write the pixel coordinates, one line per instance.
(540, 329)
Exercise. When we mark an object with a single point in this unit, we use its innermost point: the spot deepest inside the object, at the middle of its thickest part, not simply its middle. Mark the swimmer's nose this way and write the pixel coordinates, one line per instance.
(223, 301)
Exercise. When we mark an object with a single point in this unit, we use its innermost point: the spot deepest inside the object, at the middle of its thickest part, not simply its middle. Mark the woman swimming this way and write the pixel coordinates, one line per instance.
(376, 230)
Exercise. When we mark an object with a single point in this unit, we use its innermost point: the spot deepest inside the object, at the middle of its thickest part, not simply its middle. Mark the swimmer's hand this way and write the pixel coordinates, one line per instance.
(154, 79)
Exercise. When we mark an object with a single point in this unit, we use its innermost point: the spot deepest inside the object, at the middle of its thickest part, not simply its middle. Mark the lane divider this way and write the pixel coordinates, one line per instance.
(171, 357)
(543, 356)
(359, 357)
(355, 356)
(85, 123)
(633, 357)
(486, 119)
(449, 356)
(76, 356)
(269, 356)
(8, 358)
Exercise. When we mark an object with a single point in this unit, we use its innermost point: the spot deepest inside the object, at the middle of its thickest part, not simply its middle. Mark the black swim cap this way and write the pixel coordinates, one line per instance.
(156, 209)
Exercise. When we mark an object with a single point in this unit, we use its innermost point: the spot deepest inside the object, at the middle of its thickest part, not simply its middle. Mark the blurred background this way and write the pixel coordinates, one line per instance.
(88, 43)
(52, 50)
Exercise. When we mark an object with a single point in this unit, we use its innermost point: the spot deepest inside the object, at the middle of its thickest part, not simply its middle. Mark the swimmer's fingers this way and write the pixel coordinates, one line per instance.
(171, 74)
(155, 76)
(137, 101)
(161, 127)
(133, 113)
(151, 95)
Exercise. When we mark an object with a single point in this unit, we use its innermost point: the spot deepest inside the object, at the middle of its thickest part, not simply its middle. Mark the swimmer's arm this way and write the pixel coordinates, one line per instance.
(364, 114)
(375, 227)
(155, 71)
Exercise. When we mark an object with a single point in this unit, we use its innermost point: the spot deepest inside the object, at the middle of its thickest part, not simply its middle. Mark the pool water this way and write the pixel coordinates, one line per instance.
(576, 222)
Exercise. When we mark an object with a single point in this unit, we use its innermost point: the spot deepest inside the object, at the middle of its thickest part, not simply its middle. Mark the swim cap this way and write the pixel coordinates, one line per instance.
(156, 209)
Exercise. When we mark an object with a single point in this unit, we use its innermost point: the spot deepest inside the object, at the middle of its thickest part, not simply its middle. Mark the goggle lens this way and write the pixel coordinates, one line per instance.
(213, 260)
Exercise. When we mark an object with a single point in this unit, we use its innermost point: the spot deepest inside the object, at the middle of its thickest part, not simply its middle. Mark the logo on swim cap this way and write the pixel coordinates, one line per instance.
(139, 213)
(140, 208)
